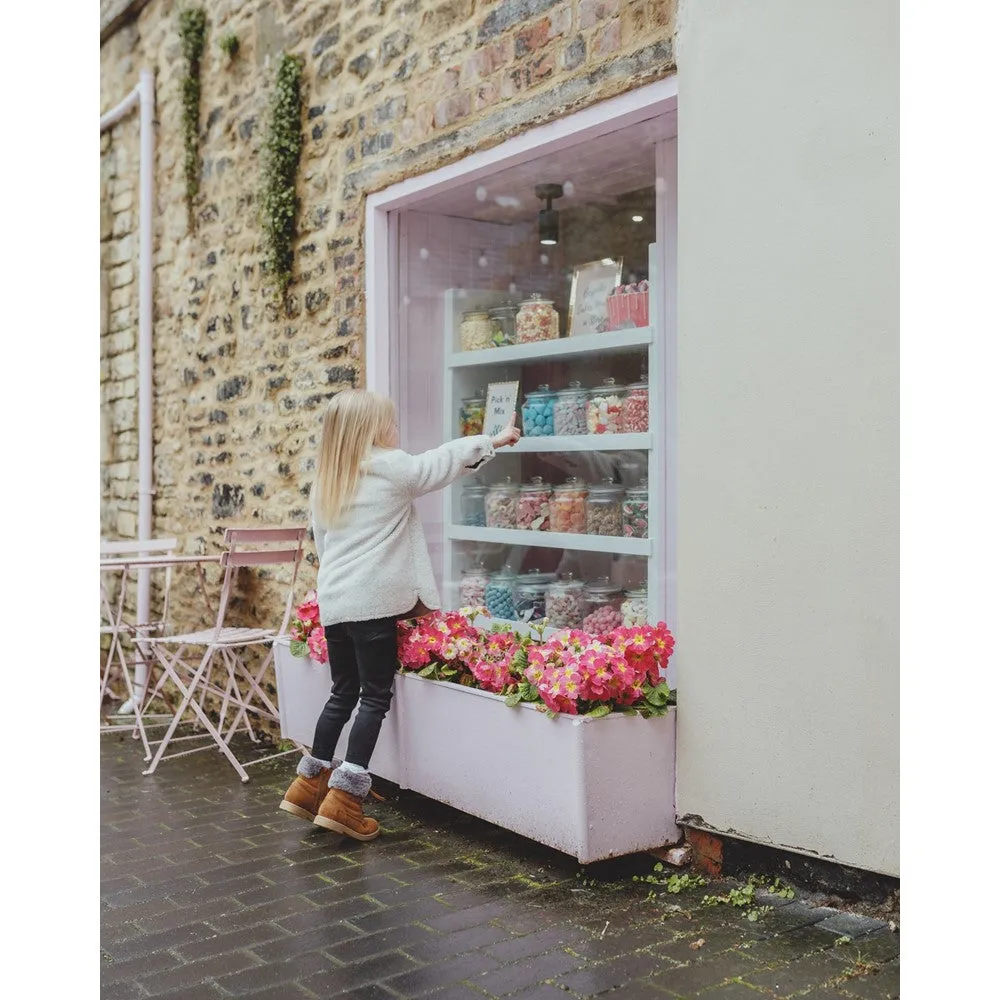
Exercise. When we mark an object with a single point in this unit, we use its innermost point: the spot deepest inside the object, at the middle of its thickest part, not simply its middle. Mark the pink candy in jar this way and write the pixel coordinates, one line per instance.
(537, 320)
(604, 409)
(604, 619)
(533, 505)
(635, 409)
(603, 600)
(472, 590)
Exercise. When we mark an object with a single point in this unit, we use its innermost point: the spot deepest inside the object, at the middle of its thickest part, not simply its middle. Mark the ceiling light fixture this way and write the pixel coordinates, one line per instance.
(548, 217)
(637, 218)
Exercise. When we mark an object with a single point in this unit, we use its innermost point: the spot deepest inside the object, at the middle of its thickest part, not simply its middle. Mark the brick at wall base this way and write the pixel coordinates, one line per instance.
(706, 851)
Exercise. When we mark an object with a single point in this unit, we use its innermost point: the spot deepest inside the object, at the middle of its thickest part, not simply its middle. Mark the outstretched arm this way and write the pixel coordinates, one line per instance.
(432, 470)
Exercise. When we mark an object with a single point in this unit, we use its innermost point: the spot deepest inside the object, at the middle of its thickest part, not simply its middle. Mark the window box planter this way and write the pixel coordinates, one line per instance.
(592, 788)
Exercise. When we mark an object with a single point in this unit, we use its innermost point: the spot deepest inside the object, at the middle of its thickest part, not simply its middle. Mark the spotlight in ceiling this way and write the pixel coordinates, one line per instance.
(548, 217)
(637, 218)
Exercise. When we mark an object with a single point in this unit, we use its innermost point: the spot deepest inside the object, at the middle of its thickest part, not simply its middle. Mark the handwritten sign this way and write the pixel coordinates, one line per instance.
(501, 405)
(588, 297)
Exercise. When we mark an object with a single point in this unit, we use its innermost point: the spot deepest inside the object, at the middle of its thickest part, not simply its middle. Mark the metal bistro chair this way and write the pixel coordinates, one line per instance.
(113, 624)
(225, 645)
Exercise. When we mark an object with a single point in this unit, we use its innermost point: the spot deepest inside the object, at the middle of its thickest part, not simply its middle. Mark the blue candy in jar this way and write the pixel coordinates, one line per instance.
(536, 412)
(499, 596)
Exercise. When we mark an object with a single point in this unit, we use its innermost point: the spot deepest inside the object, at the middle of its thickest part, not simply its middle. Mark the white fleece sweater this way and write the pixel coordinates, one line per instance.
(375, 563)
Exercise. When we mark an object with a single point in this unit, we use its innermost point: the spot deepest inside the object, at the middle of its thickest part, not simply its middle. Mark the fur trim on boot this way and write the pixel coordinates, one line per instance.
(309, 766)
(358, 783)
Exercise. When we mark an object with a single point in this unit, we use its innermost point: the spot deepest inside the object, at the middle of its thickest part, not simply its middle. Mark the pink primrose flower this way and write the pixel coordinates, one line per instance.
(317, 645)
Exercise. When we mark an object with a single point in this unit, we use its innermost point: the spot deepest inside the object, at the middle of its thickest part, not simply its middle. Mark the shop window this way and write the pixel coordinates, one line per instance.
(548, 273)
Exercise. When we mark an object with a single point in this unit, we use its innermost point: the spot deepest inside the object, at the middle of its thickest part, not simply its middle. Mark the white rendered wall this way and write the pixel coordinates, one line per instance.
(788, 425)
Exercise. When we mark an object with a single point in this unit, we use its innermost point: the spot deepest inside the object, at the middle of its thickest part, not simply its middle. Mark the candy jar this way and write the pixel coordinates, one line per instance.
(635, 511)
(602, 601)
(529, 595)
(533, 505)
(537, 320)
(499, 595)
(504, 321)
(472, 589)
(476, 331)
(536, 412)
(569, 410)
(634, 607)
(501, 504)
(567, 510)
(604, 409)
(564, 603)
(604, 508)
(635, 409)
(474, 504)
(472, 414)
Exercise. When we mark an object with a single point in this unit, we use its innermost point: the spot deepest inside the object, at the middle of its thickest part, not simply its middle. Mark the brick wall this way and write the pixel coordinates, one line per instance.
(392, 88)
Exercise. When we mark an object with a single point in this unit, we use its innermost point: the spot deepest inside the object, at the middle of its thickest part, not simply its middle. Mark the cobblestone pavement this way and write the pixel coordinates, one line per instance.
(208, 891)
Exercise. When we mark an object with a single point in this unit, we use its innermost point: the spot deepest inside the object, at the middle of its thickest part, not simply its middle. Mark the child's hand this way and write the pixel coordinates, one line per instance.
(510, 435)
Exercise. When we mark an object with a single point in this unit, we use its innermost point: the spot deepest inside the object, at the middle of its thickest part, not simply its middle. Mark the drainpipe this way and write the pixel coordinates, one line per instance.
(144, 96)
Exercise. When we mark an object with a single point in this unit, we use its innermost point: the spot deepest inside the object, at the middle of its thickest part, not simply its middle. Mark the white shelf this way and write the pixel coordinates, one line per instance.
(582, 442)
(564, 347)
(550, 540)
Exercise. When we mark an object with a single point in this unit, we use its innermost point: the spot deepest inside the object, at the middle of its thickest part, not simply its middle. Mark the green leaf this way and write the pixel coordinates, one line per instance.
(598, 711)
(428, 671)
(299, 648)
(512, 699)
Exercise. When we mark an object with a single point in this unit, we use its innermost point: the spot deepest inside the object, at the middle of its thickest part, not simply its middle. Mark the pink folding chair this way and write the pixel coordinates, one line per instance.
(225, 646)
(115, 625)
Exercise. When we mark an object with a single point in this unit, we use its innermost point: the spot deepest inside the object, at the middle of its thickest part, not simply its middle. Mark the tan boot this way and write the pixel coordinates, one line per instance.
(341, 810)
(306, 793)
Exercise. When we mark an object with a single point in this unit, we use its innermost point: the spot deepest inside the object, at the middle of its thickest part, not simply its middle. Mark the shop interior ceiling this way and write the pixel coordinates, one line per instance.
(614, 172)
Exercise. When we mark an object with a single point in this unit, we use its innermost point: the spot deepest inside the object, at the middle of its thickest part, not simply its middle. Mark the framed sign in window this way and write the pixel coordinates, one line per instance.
(501, 405)
(588, 296)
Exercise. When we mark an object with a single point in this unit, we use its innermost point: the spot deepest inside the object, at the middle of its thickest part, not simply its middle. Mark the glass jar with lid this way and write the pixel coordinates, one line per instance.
(569, 410)
(472, 589)
(476, 331)
(504, 320)
(474, 504)
(537, 320)
(635, 408)
(533, 505)
(499, 594)
(564, 603)
(634, 607)
(602, 601)
(604, 508)
(536, 412)
(501, 504)
(472, 414)
(529, 595)
(604, 408)
(635, 511)
(567, 507)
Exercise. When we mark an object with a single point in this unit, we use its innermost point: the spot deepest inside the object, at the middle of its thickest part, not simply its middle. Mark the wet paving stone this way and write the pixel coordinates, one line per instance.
(210, 892)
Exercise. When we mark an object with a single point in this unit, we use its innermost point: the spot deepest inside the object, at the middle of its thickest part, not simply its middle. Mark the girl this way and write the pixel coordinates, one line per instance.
(373, 570)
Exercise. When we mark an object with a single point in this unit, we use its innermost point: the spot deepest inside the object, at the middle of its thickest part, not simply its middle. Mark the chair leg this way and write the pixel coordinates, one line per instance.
(188, 692)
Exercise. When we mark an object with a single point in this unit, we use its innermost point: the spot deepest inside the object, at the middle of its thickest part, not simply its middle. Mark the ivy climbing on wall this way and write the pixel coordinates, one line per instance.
(282, 150)
(192, 24)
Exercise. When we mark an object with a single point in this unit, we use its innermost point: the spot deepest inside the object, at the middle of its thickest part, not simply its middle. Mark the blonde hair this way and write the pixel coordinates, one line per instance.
(355, 421)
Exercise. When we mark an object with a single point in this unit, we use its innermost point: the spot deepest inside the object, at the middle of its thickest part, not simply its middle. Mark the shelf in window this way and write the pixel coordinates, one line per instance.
(550, 540)
(614, 341)
(582, 442)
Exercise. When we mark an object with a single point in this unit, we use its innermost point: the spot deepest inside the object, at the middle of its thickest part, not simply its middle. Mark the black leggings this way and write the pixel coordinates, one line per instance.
(363, 663)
